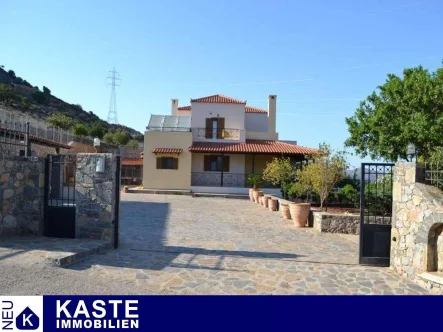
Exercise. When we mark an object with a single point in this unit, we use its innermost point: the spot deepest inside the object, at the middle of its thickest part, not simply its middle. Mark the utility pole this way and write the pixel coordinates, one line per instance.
(114, 78)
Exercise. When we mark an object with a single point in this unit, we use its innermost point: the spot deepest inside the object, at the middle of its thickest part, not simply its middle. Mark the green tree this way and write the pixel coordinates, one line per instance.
(404, 110)
(80, 130)
(121, 137)
(39, 97)
(328, 168)
(280, 172)
(132, 144)
(11, 73)
(46, 91)
(62, 121)
(25, 103)
(109, 138)
(96, 130)
(6, 94)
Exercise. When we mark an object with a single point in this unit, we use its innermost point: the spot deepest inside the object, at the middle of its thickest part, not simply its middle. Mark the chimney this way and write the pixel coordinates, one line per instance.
(272, 113)
(174, 106)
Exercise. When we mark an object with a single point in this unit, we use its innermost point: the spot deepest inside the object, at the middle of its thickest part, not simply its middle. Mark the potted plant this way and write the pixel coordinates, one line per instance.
(272, 203)
(299, 213)
(125, 189)
(255, 180)
(284, 207)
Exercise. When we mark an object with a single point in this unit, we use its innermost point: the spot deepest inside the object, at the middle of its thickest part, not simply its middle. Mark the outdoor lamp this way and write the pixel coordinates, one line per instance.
(410, 151)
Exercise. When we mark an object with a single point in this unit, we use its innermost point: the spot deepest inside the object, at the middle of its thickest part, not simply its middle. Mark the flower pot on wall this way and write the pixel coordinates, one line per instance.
(251, 196)
(272, 204)
(284, 207)
(300, 213)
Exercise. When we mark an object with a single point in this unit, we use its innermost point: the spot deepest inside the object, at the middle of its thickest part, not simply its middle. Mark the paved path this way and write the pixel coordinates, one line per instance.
(184, 245)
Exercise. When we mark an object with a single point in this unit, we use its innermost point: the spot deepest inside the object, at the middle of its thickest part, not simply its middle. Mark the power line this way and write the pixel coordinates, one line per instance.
(112, 114)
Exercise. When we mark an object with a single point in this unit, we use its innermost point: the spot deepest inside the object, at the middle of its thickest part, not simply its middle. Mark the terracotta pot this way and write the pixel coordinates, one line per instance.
(265, 201)
(251, 192)
(300, 213)
(260, 194)
(284, 207)
(255, 195)
(272, 204)
(261, 199)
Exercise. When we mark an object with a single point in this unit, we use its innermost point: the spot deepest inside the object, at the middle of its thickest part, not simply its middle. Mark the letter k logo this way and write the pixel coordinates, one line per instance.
(27, 320)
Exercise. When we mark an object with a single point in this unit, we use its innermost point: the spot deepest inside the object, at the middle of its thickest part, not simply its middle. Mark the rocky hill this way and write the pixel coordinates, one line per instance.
(31, 101)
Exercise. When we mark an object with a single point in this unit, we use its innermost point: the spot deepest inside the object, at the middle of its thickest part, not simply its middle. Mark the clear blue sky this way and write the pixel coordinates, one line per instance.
(320, 57)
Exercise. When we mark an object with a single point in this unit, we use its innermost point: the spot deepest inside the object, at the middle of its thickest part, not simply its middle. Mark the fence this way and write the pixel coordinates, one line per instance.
(434, 175)
(14, 139)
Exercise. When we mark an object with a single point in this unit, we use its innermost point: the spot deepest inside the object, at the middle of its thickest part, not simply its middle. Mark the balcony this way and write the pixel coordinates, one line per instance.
(221, 179)
(218, 134)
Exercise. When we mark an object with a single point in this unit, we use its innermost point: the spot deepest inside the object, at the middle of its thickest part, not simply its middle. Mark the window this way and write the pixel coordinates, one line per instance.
(214, 163)
(215, 128)
(167, 163)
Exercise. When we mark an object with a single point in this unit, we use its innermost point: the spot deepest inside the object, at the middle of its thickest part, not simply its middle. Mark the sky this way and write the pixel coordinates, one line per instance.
(321, 58)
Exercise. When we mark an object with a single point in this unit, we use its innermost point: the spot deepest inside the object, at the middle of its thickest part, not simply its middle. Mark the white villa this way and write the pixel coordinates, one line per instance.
(212, 145)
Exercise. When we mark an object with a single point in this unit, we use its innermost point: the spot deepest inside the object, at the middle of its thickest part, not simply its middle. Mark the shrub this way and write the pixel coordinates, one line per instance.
(39, 97)
(25, 103)
(349, 193)
(255, 180)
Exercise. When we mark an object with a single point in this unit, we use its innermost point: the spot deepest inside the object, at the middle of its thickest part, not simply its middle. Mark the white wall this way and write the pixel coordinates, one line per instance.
(233, 190)
(236, 162)
(256, 122)
(184, 113)
(234, 114)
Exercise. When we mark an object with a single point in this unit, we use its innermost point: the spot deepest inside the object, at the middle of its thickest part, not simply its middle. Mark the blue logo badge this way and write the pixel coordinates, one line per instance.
(27, 320)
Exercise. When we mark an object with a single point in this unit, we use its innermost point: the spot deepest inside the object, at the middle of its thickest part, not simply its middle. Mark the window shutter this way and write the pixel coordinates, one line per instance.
(207, 163)
(225, 163)
(159, 163)
(175, 163)
(208, 128)
(220, 127)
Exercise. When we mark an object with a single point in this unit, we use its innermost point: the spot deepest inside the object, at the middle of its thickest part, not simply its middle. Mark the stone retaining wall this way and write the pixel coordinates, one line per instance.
(21, 195)
(336, 223)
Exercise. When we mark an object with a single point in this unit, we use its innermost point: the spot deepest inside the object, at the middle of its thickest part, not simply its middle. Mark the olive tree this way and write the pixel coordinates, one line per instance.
(279, 172)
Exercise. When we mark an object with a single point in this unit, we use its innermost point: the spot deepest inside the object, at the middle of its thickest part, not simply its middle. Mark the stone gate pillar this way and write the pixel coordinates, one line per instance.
(95, 197)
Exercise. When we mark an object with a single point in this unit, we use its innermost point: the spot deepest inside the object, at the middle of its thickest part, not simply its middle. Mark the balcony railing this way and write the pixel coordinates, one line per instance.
(221, 179)
(217, 133)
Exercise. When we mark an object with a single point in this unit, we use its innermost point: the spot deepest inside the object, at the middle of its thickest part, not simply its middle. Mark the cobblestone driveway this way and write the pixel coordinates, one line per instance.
(184, 245)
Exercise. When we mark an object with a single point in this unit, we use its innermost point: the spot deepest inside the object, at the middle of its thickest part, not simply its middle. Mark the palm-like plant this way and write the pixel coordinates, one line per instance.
(255, 180)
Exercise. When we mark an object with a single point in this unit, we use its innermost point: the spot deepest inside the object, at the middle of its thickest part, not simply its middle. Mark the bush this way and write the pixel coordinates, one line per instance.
(132, 144)
(96, 130)
(39, 97)
(349, 193)
(25, 103)
(6, 94)
(46, 91)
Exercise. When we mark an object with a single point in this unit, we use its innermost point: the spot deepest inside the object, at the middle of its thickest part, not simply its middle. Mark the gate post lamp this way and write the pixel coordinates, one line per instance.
(410, 151)
(97, 144)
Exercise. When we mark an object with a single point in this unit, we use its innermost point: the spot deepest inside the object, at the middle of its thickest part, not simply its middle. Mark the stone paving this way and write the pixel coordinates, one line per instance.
(48, 251)
(184, 245)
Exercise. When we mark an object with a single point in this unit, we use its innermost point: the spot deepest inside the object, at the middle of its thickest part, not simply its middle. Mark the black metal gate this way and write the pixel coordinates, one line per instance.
(375, 213)
(59, 208)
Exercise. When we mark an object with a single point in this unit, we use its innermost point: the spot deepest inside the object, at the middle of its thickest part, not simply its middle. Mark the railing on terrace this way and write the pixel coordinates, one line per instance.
(217, 133)
(222, 179)
(175, 129)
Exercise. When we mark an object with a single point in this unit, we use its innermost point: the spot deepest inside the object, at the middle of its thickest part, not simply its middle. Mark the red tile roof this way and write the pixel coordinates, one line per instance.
(166, 150)
(218, 99)
(184, 108)
(132, 162)
(251, 109)
(248, 109)
(252, 146)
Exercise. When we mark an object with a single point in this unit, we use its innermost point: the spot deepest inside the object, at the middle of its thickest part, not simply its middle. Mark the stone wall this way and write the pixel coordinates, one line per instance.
(95, 197)
(336, 223)
(21, 195)
(416, 243)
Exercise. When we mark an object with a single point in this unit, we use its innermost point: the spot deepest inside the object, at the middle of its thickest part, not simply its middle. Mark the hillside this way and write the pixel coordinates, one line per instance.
(40, 103)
